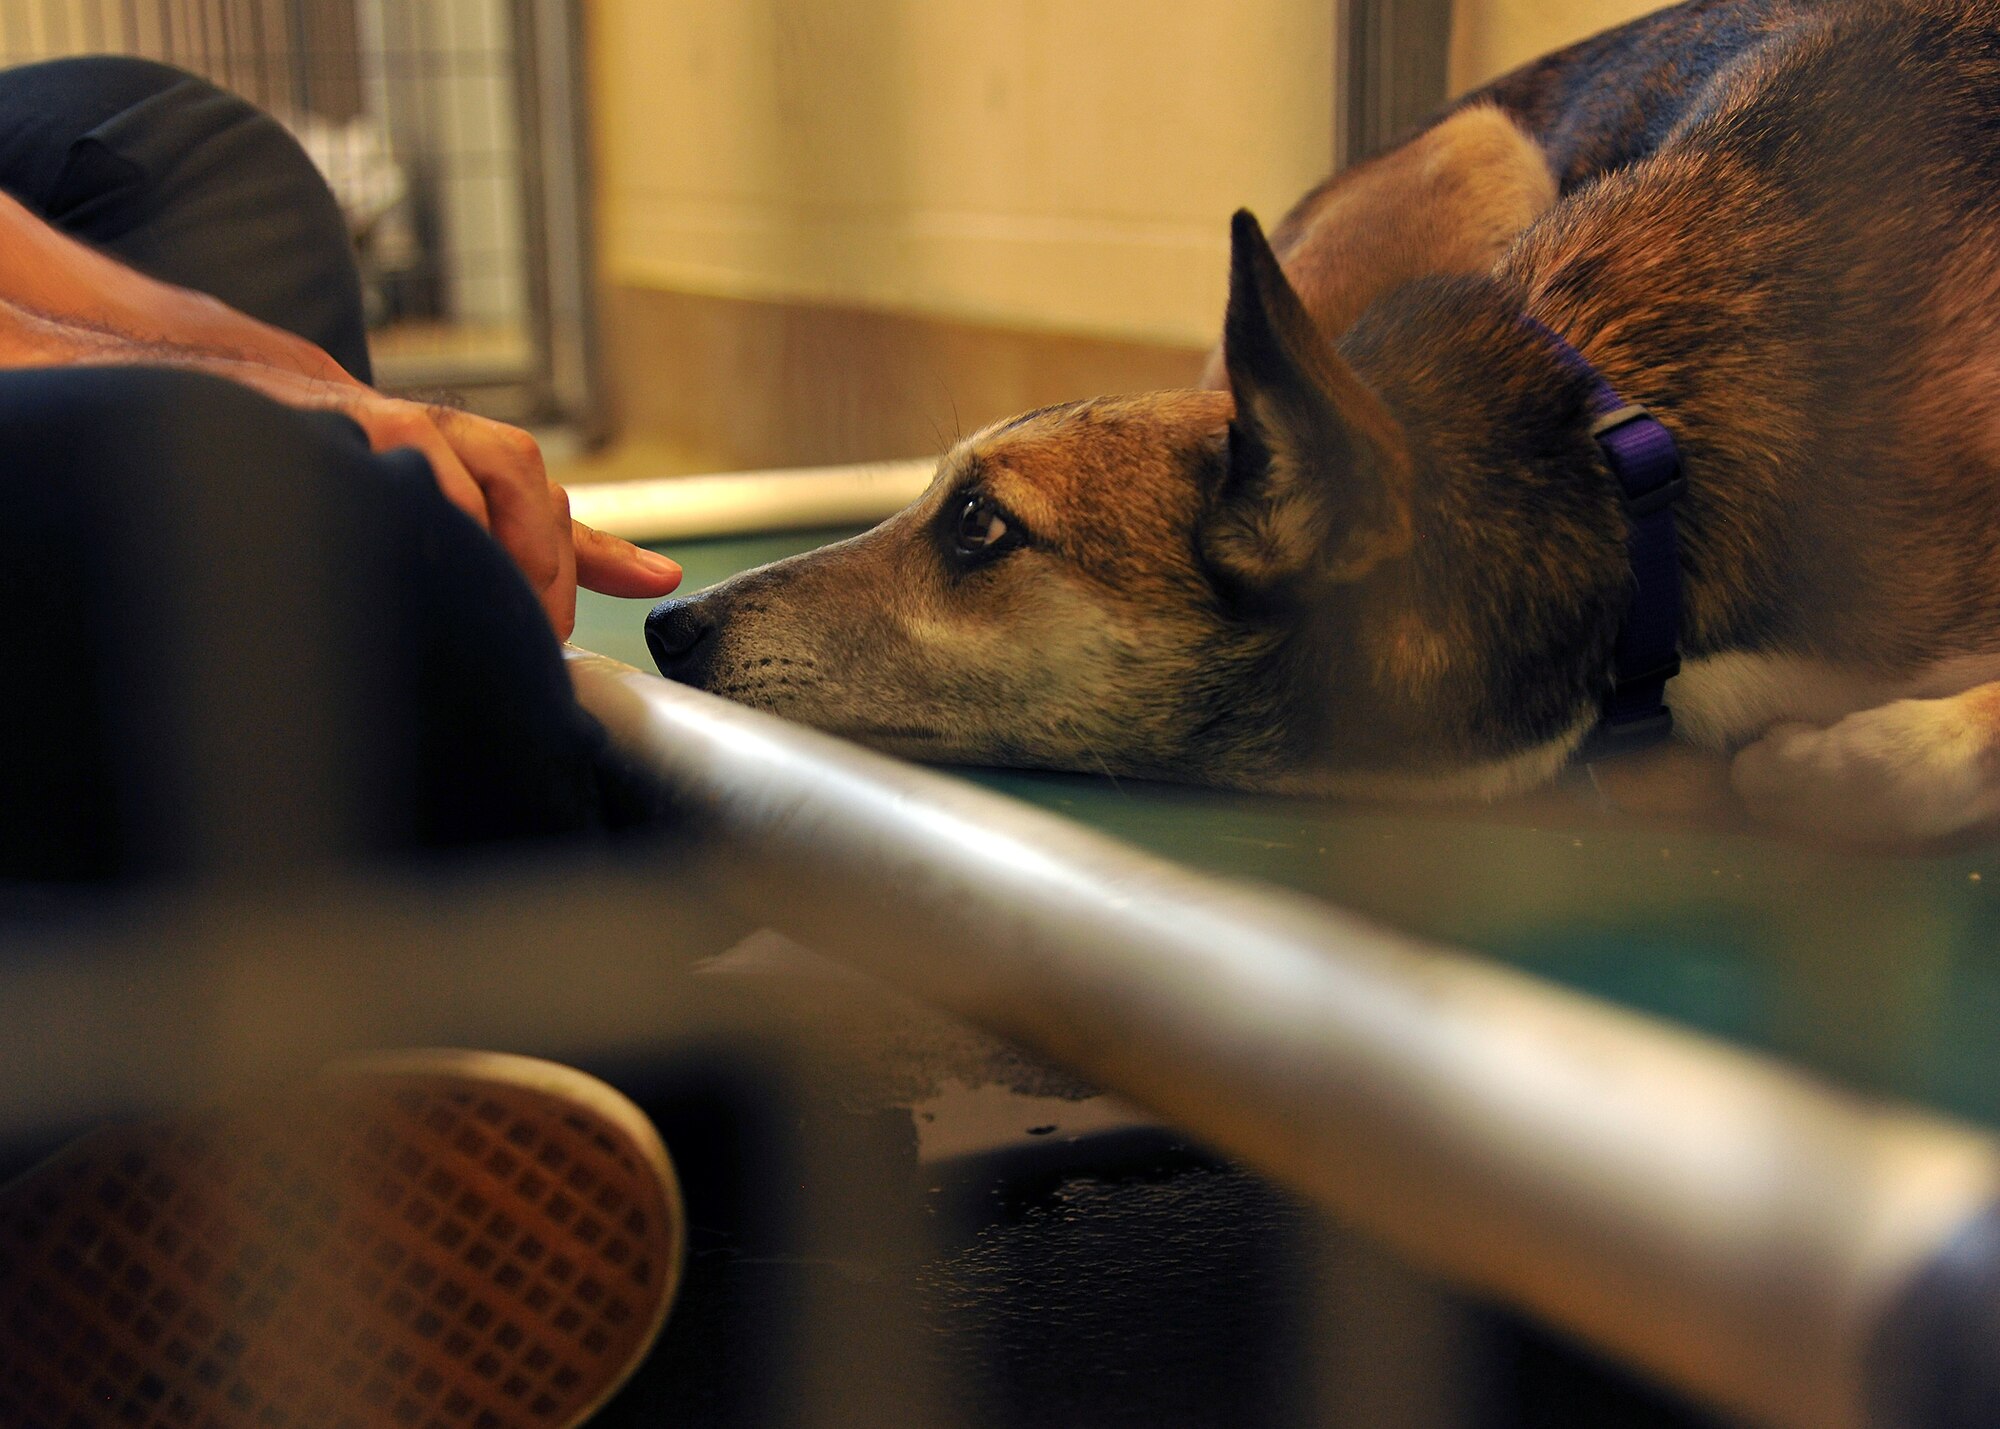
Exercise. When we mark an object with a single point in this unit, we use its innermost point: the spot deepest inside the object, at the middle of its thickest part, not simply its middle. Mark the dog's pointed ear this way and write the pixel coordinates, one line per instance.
(1316, 488)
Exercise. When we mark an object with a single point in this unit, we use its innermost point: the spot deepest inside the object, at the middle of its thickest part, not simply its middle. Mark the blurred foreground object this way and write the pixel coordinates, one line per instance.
(1798, 1256)
(436, 1237)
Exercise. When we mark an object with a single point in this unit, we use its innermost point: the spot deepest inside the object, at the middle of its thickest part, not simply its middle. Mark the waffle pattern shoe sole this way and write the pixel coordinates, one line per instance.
(433, 1240)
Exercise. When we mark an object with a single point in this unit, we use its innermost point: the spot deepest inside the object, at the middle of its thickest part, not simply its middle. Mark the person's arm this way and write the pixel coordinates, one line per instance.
(48, 272)
(62, 303)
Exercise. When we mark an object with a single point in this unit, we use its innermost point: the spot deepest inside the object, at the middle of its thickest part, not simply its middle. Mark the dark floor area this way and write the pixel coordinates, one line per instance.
(1123, 1279)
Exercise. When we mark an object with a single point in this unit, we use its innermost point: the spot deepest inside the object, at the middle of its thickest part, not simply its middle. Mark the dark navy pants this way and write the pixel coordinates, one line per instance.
(231, 638)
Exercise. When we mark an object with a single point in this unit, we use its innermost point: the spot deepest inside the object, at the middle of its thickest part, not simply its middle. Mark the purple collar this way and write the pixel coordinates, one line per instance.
(1642, 456)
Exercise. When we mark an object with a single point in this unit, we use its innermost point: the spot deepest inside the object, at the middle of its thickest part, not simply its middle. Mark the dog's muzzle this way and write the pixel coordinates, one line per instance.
(681, 635)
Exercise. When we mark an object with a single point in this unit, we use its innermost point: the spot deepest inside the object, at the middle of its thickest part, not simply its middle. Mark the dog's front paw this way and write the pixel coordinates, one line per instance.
(1900, 773)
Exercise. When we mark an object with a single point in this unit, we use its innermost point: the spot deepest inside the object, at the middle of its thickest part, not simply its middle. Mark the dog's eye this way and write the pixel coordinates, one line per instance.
(981, 528)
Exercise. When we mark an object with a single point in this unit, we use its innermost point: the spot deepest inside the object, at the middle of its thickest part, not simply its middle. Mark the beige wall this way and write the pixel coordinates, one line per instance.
(1490, 37)
(835, 230)
(1056, 165)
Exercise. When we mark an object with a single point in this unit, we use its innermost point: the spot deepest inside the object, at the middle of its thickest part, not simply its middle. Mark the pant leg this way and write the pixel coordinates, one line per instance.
(187, 183)
(168, 610)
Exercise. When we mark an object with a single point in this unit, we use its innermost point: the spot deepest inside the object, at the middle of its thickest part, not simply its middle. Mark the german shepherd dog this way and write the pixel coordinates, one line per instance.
(1380, 552)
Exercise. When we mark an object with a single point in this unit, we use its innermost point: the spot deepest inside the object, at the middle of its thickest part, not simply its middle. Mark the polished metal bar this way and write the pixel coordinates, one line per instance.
(1709, 1215)
(737, 503)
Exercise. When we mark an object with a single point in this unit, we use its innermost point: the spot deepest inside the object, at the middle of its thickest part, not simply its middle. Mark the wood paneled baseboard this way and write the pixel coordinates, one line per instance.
(735, 383)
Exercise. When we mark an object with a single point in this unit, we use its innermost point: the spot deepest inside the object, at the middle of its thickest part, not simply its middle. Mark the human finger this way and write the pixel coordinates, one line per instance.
(611, 566)
(506, 462)
(560, 599)
(400, 424)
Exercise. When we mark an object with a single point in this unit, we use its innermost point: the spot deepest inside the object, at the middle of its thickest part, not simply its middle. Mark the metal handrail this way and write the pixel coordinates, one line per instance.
(1748, 1234)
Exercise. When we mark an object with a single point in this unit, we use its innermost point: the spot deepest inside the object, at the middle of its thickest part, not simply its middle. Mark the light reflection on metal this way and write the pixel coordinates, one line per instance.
(686, 508)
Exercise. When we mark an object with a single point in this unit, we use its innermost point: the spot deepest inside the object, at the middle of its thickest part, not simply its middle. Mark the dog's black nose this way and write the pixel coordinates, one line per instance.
(680, 633)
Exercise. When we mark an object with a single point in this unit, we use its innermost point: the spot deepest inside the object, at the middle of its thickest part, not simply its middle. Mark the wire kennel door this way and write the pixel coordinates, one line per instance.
(450, 131)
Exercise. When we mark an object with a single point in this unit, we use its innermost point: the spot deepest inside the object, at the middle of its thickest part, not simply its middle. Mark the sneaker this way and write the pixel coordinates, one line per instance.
(424, 1240)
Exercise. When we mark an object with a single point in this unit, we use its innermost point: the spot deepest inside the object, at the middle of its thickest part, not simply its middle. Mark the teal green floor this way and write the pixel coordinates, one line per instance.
(1881, 972)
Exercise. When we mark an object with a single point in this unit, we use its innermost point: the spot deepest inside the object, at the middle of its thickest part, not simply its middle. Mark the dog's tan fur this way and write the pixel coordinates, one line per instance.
(1395, 564)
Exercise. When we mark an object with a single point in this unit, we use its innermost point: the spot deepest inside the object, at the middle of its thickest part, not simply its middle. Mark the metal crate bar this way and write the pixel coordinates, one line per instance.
(480, 104)
(1753, 1237)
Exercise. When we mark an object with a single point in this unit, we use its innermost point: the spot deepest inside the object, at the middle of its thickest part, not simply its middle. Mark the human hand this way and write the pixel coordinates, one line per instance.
(63, 305)
(495, 474)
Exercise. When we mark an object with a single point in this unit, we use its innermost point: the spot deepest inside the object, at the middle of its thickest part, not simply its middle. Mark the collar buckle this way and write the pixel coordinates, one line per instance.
(1621, 416)
(1631, 462)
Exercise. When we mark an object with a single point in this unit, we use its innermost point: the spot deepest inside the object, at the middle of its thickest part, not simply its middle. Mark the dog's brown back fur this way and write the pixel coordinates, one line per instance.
(1827, 365)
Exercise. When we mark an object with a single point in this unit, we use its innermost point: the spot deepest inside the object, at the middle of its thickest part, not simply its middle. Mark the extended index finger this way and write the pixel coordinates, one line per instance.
(610, 566)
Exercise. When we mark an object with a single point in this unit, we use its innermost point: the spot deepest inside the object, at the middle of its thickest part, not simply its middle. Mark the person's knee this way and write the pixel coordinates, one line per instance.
(195, 110)
(207, 110)
(48, 108)
(127, 103)
(99, 84)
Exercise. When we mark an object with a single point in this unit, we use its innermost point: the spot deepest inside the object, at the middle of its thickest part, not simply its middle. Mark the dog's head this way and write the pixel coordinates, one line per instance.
(1043, 603)
(1205, 586)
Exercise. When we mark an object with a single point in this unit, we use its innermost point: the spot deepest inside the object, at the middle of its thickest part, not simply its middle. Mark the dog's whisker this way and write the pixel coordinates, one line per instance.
(1084, 744)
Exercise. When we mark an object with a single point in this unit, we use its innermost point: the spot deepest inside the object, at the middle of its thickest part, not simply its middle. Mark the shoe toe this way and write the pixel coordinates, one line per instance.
(441, 1241)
